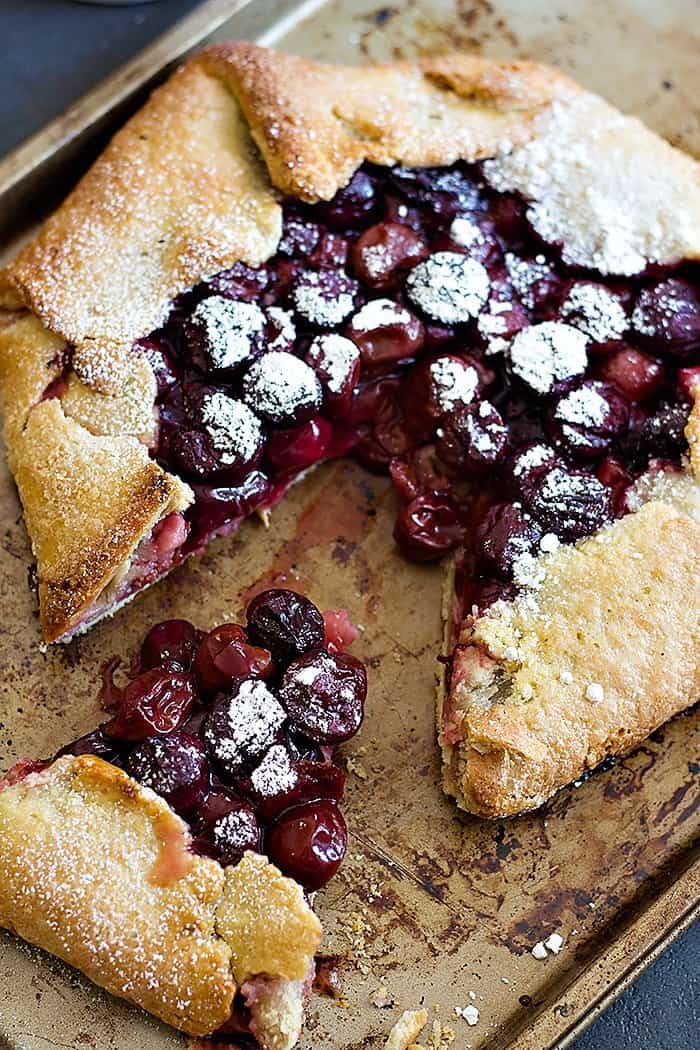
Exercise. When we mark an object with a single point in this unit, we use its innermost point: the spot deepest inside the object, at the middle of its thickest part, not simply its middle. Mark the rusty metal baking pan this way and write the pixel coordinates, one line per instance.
(430, 906)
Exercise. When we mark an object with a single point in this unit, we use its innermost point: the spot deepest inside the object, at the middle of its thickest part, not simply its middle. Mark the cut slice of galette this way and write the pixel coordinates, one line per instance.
(172, 854)
(473, 275)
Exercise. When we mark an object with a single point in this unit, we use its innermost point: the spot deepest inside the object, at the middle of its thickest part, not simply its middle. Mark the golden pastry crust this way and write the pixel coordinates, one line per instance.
(88, 501)
(315, 124)
(55, 826)
(182, 192)
(582, 667)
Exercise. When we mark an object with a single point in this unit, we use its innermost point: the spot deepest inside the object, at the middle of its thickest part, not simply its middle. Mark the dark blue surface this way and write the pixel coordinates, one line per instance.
(51, 52)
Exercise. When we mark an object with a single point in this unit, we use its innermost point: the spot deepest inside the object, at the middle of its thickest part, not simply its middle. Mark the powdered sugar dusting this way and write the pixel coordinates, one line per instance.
(379, 313)
(449, 287)
(453, 382)
(228, 328)
(593, 179)
(278, 384)
(525, 274)
(529, 458)
(584, 407)
(235, 431)
(547, 354)
(283, 321)
(337, 356)
(254, 717)
(275, 773)
(318, 302)
(466, 233)
(594, 310)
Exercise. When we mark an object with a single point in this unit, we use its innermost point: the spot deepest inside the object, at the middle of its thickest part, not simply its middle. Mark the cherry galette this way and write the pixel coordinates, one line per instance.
(472, 276)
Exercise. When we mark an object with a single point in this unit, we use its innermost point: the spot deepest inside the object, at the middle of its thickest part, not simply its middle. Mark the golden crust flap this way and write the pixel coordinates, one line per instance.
(256, 899)
(79, 843)
(585, 665)
(315, 124)
(88, 501)
(180, 193)
(97, 870)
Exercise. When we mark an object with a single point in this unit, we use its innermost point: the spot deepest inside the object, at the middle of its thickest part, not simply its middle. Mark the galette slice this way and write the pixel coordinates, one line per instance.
(172, 854)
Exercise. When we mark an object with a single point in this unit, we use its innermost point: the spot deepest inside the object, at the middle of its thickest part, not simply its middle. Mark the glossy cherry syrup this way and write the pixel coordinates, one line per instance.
(235, 728)
(412, 320)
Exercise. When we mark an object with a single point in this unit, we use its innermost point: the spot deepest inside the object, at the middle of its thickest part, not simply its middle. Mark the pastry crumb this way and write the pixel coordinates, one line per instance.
(441, 1036)
(409, 1025)
(354, 765)
(381, 998)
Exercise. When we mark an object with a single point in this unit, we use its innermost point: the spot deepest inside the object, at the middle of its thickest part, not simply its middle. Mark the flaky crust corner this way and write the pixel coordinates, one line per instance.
(96, 870)
(619, 611)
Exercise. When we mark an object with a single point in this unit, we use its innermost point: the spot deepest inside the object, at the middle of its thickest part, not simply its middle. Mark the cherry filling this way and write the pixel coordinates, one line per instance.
(418, 322)
(235, 729)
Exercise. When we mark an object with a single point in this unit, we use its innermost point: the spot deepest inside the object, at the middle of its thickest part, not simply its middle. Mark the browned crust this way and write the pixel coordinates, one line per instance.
(95, 869)
(315, 124)
(518, 724)
(88, 500)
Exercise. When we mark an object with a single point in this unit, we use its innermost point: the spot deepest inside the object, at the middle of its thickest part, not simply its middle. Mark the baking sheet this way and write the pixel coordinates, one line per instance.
(430, 905)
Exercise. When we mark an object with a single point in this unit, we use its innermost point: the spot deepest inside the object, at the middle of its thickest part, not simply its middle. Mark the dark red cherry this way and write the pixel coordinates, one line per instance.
(419, 473)
(217, 507)
(299, 447)
(384, 442)
(239, 282)
(241, 726)
(94, 743)
(275, 783)
(286, 623)
(612, 473)
(174, 766)
(331, 251)
(635, 374)
(299, 236)
(223, 334)
(585, 420)
(336, 362)
(660, 435)
(383, 253)
(435, 386)
(356, 204)
(428, 527)
(323, 298)
(472, 439)
(172, 643)
(308, 843)
(320, 780)
(667, 315)
(325, 696)
(225, 439)
(228, 836)
(508, 215)
(282, 389)
(155, 702)
(444, 192)
(225, 655)
(385, 332)
(570, 503)
(528, 465)
(505, 534)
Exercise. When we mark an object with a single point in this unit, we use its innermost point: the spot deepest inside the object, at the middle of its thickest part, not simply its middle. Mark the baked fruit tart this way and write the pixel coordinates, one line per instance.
(472, 275)
(172, 854)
